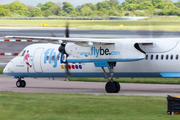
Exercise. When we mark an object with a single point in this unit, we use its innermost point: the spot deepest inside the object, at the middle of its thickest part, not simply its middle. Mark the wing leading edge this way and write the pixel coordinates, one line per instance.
(78, 41)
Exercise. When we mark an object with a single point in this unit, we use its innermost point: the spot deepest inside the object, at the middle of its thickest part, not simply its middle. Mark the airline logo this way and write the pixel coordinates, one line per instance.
(51, 57)
(100, 51)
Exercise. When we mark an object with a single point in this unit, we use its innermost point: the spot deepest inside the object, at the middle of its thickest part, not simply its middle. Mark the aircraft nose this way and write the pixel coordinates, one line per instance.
(7, 69)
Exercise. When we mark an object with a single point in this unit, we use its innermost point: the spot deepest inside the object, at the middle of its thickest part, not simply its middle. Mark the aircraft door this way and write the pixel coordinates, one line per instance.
(37, 60)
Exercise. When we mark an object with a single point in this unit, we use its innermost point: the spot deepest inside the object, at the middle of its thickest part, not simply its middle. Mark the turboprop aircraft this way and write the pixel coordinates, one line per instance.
(109, 58)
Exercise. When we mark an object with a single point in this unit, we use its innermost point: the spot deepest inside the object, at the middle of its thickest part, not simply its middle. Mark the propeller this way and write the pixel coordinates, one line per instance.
(67, 30)
(67, 68)
(62, 49)
(67, 65)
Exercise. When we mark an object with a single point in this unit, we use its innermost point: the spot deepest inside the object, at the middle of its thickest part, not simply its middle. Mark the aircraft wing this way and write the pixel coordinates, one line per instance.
(77, 41)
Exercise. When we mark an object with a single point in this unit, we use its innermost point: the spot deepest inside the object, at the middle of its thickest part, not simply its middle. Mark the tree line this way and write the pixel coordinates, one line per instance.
(104, 8)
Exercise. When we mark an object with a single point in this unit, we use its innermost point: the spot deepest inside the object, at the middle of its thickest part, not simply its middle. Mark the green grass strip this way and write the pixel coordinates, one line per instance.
(1, 70)
(18, 106)
(170, 24)
(135, 80)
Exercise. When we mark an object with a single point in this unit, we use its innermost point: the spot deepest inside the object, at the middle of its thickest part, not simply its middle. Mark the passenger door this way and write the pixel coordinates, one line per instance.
(37, 60)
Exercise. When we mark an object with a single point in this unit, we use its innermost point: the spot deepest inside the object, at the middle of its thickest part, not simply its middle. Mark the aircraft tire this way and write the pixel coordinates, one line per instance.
(19, 83)
(110, 87)
(23, 83)
(117, 86)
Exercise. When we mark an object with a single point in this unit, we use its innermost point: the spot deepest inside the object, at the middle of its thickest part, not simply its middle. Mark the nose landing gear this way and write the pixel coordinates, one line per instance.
(20, 83)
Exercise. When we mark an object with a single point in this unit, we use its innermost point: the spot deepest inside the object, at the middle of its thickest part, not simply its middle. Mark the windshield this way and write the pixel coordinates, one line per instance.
(22, 53)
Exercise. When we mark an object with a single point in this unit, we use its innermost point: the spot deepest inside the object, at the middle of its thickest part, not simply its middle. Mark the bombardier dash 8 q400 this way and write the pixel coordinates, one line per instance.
(83, 57)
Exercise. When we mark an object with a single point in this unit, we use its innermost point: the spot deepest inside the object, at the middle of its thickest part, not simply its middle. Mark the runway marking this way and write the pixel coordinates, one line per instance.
(9, 54)
(8, 40)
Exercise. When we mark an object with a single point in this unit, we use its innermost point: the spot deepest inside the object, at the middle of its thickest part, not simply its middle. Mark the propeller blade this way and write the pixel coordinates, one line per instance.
(67, 30)
(53, 35)
(67, 69)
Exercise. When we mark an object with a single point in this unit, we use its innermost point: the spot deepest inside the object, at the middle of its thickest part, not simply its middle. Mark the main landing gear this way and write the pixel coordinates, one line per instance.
(111, 86)
(20, 83)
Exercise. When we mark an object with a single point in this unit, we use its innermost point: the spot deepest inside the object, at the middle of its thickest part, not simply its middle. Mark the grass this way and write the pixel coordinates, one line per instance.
(43, 106)
(135, 80)
(1, 70)
(164, 18)
(171, 25)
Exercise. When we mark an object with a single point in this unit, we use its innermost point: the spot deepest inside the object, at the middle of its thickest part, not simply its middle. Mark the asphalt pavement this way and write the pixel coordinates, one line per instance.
(58, 85)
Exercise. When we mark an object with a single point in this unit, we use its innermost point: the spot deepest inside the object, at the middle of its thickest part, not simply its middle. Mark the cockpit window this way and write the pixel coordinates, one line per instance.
(22, 53)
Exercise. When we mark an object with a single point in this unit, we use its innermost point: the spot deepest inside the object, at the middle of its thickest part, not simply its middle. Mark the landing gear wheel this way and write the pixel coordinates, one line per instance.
(23, 83)
(18, 83)
(117, 86)
(110, 87)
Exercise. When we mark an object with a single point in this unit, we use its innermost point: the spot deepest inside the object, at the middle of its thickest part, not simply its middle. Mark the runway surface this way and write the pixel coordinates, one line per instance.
(60, 32)
(46, 85)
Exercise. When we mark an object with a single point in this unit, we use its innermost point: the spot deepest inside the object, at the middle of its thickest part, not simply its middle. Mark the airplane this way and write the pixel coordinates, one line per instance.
(105, 58)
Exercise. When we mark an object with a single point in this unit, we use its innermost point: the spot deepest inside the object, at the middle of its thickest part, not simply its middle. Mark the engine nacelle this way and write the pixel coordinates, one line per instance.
(118, 52)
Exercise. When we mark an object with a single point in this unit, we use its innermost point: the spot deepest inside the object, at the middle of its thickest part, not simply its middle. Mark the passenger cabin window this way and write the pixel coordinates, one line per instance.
(167, 57)
(47, 58)
(58, 57)
(52, 57)
(157, 57)
(151, 57)
(162, 57)
(177, 57)
(171, 57)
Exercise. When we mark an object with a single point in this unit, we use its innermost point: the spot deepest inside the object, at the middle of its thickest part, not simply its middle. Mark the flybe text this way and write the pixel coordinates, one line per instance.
(100, 52)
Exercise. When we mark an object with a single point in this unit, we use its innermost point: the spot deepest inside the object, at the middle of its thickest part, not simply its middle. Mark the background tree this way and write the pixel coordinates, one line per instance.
(55, 9)
(126, 6)
(178, 3)
(39, 5)
(103, 5)
(62, 13)
(67, 7)
(113, 3)
(5, 7)
(30, 7)
(131, 1)
(147, 5)
(35, 12)
(170, 5)
(4, 12)
(140, 1)
(90, 5)
(86, 11)
(47, 6)
(104, 8)
(18, 8)
(160, 5)
(47, 13)
(155, 2)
